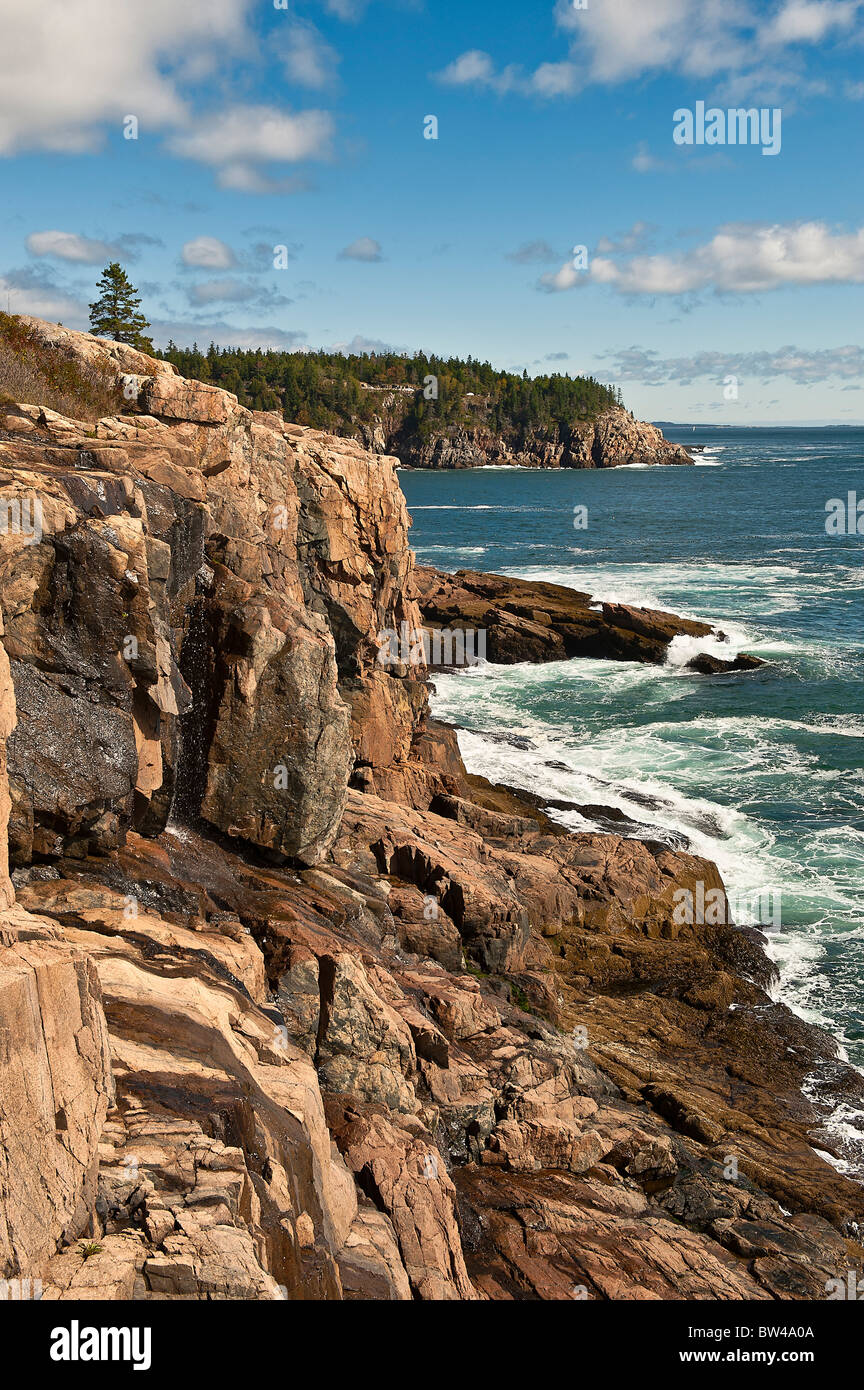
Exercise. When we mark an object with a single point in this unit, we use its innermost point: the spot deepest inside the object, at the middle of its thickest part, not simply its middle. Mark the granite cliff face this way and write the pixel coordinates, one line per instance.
(613, 439)
(311, 1013)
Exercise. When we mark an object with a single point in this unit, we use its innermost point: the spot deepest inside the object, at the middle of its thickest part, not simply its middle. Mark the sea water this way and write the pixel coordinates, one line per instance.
(762, 772)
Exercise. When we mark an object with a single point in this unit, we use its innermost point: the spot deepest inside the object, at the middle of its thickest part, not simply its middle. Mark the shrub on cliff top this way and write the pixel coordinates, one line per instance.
(34, 373)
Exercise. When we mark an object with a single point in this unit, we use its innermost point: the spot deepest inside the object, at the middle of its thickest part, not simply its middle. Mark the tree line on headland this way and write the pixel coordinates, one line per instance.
(338, 391)
(330, 390)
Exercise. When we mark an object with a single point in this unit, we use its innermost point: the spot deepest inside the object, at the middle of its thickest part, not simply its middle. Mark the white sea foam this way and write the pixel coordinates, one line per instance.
(683, 649)
(650, 774)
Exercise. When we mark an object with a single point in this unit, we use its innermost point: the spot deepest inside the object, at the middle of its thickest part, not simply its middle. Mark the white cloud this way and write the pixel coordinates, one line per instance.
(98, 61)
(728, 39)
(23, 293)
(230, 290)
(567, 278)
(556, 79)
(186, 331)
(82, 250)
(255, 134)
(365, 248)
(350, 10)
(476, 69)
(227, 290)
(209, 253)
(68, 246)
(739, 259)
(809, 21)
(308, 58)
(804, 366)
(245, 178)
(629, 38)
(71, 73)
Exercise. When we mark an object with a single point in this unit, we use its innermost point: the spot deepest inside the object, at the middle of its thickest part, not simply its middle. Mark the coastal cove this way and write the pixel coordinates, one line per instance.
(760, 772)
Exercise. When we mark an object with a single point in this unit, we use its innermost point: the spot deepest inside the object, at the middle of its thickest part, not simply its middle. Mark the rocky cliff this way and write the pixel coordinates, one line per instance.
(613, 439)
(290, 1006)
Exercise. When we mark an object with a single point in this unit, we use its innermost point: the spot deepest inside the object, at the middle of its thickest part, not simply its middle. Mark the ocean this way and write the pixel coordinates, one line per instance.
(762, 772)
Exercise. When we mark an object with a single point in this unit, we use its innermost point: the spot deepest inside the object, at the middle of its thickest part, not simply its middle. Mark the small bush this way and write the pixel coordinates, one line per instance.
(33, 373)
(88, 1248)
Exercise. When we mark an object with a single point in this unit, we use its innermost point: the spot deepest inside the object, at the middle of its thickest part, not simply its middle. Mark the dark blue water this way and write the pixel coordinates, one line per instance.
(761, 771)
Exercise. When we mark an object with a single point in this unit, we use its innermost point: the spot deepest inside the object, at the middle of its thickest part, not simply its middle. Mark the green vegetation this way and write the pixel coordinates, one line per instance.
(88, 1248)
(34, 373)
(519, 998)
(115, 314)
(330, 390)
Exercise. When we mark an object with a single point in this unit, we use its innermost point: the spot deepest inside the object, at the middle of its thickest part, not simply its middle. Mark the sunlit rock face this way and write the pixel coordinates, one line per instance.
(197, 618)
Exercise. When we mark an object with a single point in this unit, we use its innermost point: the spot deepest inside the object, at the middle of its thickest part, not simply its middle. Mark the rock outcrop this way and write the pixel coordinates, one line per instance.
(222, 578)
(311, 1013)
(527, 620)
(612, 440)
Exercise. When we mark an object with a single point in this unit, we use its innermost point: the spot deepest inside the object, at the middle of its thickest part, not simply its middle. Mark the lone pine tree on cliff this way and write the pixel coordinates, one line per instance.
(115, 314)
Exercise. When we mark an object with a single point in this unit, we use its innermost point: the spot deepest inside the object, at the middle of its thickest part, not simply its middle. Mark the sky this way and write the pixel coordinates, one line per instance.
(266, 174)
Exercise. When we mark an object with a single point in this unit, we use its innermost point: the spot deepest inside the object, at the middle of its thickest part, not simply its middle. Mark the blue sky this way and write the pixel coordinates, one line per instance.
(720, 284)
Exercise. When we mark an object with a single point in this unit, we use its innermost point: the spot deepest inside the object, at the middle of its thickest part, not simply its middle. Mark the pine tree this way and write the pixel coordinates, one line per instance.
(115, 313)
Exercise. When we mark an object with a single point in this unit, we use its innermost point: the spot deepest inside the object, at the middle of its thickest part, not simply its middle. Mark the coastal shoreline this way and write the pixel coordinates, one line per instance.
(319, 1013)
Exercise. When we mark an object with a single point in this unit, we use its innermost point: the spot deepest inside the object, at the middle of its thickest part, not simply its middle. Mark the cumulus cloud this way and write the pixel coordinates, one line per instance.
(609, 43)
(68, 246)
(98, 62)
(739, 259)
(477, 69)
(230, 290)
(350, 10)
(809, 21)
(567, 278)
(257, 134)
(207, 253)
(365, 248)
(82, 250)
(244, 178)
(555, 79)
(29, 292)
(307, 57)
(804, 366)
